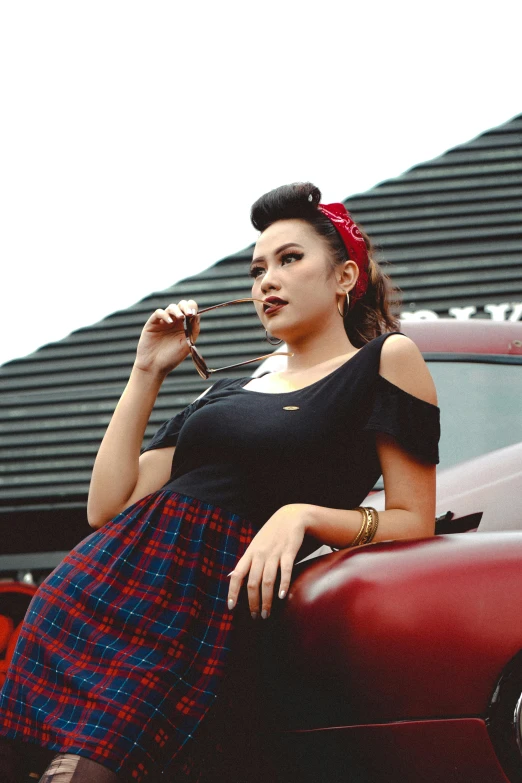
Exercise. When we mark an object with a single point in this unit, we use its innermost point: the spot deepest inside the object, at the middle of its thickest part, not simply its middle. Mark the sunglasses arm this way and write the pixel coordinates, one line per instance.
(268, 355)
(224, 304)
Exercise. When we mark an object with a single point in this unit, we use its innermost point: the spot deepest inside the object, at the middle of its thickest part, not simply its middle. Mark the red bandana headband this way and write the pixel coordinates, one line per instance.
(354, 243)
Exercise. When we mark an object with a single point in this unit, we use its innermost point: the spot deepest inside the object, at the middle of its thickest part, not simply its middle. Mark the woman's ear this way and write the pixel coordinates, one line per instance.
(347, 275)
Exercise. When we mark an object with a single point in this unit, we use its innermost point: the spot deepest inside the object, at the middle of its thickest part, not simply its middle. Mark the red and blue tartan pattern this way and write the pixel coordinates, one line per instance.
(124, 645)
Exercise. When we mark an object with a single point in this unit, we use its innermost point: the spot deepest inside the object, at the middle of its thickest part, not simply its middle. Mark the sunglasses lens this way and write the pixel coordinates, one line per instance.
(201, 365)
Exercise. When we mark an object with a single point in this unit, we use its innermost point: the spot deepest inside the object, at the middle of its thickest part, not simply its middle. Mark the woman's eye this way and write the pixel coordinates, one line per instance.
(254, 272)
(291, 255)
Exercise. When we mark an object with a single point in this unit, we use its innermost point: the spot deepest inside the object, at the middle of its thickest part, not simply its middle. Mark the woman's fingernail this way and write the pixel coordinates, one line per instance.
(254, 615)
(230, 574)
(230, 603)
(282, 593)
(193, 311)
(169, 319)
(264, 614)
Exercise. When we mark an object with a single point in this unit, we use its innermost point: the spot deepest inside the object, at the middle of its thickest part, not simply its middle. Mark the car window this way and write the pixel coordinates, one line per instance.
(480, 408)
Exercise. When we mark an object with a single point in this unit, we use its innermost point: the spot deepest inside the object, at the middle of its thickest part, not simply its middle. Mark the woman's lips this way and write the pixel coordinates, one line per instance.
(274, 308)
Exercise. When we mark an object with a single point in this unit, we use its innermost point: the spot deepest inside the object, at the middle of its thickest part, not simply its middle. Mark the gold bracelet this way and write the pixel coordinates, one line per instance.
(363, 527)
(376, 515)
(369, 527)
(372, 527)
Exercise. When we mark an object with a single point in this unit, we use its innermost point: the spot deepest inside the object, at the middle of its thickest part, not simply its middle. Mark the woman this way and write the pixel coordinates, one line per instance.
(125, 646)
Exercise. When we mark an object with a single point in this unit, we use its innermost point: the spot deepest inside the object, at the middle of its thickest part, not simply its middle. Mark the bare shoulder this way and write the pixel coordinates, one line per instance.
(403, 365)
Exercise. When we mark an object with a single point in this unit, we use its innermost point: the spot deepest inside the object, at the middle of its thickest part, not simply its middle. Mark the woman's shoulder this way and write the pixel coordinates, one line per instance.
(404, 403)
(402, 363)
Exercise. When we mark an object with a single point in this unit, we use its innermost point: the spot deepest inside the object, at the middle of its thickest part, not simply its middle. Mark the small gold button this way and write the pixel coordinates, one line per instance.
(291, 408)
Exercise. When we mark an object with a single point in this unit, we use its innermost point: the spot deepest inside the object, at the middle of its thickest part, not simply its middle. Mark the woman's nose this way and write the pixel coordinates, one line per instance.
(269, 280)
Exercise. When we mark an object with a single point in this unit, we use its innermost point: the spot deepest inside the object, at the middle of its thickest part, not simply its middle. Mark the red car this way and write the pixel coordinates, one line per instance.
(14, 600)
(401, 661)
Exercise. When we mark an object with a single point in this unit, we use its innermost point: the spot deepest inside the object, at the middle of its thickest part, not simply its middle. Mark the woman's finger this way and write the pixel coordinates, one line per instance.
(253, 584)
(267, 586)
(287, 563)
(236, 580)
(161, 316)
(188, 306)
(176, 311)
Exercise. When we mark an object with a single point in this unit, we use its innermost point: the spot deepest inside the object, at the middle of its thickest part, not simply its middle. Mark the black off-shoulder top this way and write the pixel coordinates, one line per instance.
(251, 452)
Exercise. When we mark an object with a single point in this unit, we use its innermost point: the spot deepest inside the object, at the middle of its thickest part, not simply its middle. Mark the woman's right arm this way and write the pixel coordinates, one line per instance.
(120, 476)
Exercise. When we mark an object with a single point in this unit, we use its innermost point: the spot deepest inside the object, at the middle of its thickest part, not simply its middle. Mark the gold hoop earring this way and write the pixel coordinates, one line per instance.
(343, 315)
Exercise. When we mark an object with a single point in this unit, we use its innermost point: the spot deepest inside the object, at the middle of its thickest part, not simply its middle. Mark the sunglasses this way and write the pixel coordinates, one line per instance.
(200, 363)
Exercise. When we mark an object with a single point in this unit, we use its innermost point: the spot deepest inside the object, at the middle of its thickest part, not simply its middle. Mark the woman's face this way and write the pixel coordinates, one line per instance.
(291, 261)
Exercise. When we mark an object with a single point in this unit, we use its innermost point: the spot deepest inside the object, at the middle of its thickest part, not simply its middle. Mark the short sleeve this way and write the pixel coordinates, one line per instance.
(167, 435)
(414, 423)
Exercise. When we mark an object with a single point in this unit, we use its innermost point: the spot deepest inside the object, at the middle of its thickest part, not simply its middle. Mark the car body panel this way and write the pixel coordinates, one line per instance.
(407, 629)
(456, 750)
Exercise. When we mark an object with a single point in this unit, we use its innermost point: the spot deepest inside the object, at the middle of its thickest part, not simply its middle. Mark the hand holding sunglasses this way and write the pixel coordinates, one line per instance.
(164, 339)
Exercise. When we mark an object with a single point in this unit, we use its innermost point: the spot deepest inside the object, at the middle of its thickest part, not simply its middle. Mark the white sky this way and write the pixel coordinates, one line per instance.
(134, 137)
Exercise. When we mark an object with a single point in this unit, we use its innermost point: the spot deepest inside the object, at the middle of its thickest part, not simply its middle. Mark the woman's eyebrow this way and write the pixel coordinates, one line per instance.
(279, 250)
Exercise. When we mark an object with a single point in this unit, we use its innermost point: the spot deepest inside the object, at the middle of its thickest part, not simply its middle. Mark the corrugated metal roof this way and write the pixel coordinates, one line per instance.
(451, 229)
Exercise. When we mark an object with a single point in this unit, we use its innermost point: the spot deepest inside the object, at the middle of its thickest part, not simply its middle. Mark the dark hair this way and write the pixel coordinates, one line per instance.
(372, 314)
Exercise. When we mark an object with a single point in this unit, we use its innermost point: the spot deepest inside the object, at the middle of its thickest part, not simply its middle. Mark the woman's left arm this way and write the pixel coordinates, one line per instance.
(409, 485)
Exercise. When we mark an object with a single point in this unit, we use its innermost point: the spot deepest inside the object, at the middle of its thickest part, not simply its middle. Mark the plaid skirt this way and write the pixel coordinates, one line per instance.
(124, 645)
